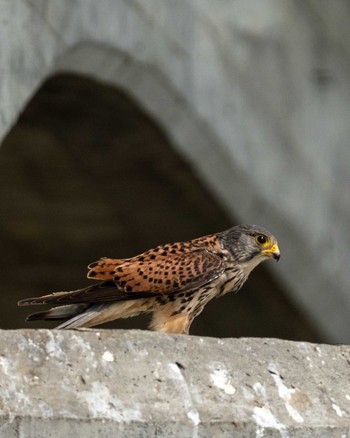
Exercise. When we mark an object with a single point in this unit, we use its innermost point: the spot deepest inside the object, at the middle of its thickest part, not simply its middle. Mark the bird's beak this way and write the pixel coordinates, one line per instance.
(273, 252)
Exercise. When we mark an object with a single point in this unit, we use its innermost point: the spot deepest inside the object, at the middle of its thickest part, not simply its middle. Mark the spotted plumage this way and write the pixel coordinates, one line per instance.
(173, 281)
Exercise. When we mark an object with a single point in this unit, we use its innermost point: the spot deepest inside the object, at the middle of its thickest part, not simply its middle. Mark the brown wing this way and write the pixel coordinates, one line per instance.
(104, 291)
(144, 278)
(201, 252)
(103, 269)
(173, 273)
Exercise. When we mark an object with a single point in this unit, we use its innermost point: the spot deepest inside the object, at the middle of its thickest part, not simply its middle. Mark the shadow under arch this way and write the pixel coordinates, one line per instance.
(86, 172)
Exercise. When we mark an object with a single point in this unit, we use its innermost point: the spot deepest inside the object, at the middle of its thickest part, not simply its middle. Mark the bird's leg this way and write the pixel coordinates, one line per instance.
(162, 322)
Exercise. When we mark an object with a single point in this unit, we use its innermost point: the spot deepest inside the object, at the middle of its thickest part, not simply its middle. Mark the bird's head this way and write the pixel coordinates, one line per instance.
(250, 244)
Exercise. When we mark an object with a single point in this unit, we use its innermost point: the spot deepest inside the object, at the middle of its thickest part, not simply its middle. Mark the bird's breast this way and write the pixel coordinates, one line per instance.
(231, 281)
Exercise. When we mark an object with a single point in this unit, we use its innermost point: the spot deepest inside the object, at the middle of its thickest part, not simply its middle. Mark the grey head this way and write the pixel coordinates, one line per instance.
(250, 243)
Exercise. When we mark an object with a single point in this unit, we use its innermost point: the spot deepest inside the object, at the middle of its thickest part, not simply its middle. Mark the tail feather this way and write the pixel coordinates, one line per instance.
(83, 319)
(77, 315)
(61, 312)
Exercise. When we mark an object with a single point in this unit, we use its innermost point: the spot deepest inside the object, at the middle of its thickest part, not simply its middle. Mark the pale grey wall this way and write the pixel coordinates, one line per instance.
(107, 383)
(256, 94)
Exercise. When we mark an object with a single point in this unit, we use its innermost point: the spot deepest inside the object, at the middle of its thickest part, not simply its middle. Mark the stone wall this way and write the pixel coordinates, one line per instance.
(85, 173)
(141, 384)
(254, 94)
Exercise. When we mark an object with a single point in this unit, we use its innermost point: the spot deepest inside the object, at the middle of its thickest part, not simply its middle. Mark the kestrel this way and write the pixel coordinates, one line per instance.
(173, 281)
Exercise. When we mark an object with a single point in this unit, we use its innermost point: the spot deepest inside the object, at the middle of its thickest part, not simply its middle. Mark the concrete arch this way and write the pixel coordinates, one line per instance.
(87, 172)
(242, 117)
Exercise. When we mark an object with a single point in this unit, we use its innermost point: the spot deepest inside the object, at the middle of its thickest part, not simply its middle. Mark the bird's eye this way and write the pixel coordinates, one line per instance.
(262, 239)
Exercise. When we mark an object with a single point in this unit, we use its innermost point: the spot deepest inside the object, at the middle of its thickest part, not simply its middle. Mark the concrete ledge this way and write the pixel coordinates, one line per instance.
(132, 383)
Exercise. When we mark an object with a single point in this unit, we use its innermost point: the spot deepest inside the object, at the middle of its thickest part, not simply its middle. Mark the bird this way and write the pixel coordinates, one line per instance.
(174, 281)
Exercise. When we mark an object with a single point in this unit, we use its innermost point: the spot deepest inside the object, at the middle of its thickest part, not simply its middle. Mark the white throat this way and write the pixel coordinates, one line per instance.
(247, 267)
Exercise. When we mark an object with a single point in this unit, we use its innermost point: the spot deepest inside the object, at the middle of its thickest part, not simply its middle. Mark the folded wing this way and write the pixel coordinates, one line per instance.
(142, 277)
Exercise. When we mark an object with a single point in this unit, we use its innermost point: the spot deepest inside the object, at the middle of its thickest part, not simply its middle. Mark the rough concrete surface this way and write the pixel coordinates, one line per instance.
(142, 384)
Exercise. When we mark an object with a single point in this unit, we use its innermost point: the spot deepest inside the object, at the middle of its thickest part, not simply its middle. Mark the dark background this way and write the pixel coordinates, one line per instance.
(86, 173)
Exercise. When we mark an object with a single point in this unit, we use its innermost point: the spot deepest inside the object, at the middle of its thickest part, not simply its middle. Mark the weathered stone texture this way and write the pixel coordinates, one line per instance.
(132, 383)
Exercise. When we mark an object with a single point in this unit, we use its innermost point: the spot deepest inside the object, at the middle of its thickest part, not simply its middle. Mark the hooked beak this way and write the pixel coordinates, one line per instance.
(273, 252)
